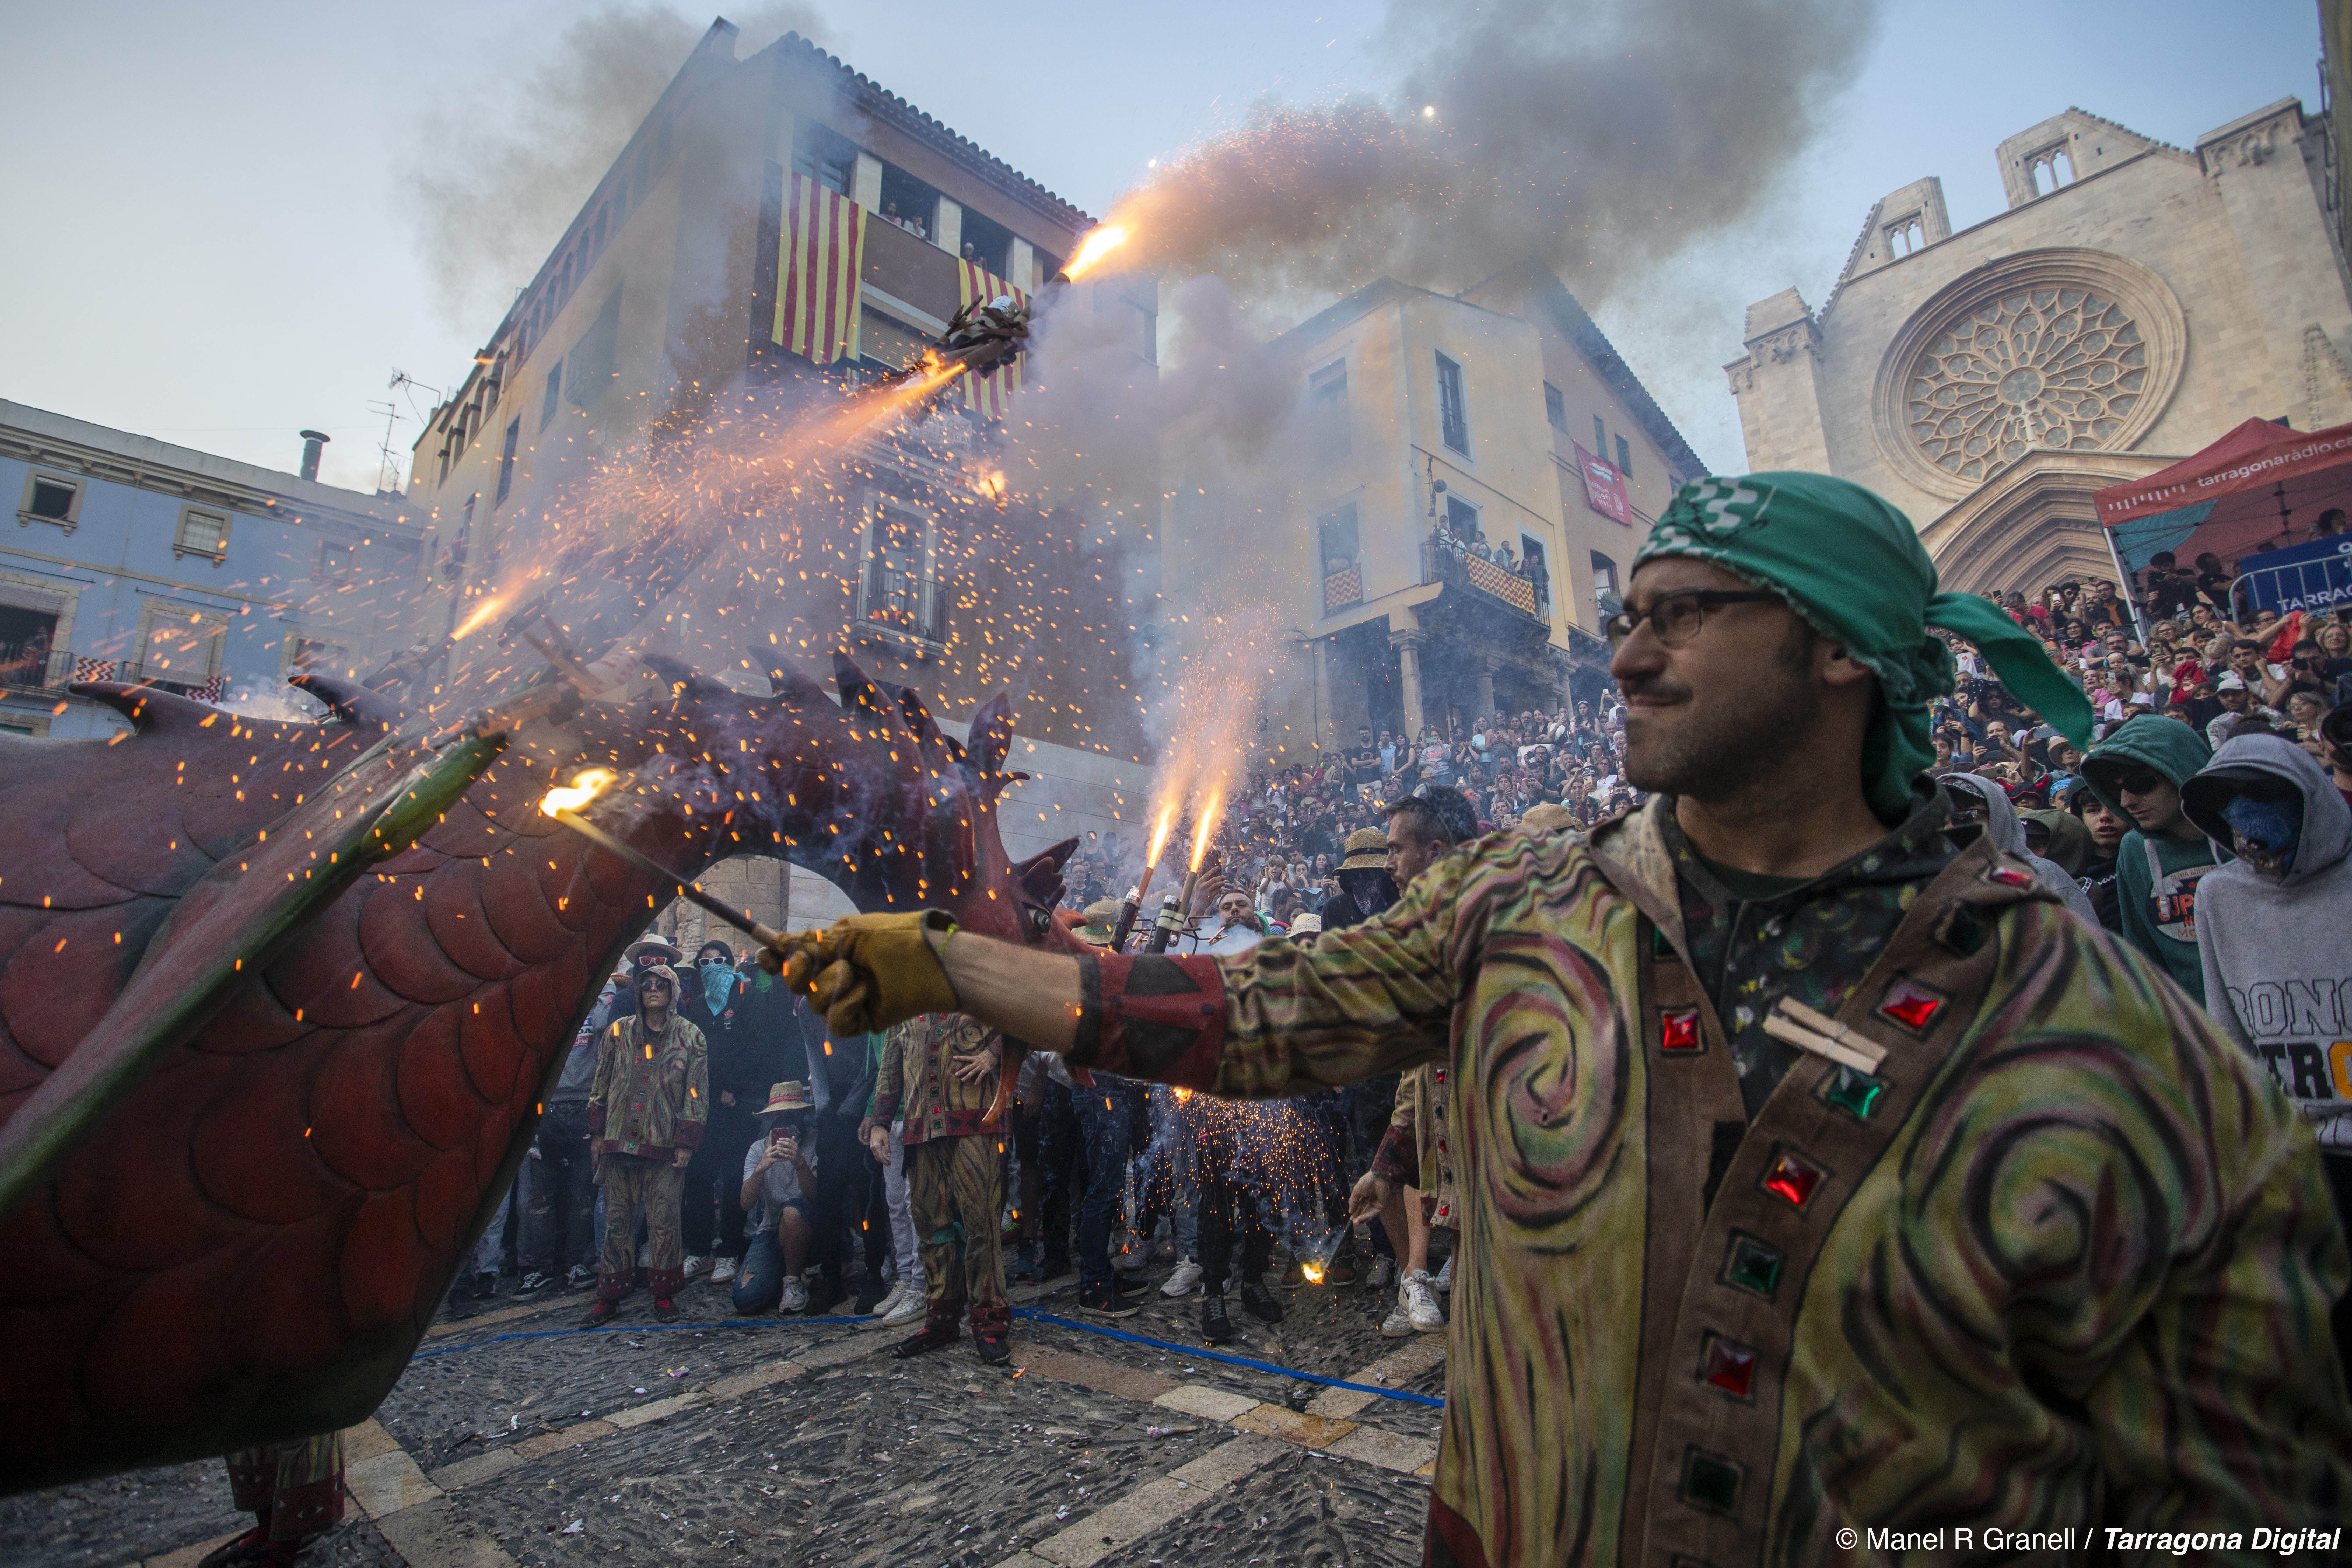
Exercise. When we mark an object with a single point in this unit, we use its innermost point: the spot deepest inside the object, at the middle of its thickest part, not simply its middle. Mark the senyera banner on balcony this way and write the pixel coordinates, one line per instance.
(824, 257)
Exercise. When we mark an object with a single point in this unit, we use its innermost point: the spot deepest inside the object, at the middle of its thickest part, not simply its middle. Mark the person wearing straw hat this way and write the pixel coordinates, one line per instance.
(779, 1185)
(1819, 1175)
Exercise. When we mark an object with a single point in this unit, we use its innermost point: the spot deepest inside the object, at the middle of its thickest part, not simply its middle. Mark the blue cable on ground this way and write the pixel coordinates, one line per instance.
(1193, 1351)
(1230, 1359)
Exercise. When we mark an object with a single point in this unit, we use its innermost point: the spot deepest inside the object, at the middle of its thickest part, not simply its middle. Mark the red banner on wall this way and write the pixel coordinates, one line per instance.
(1604, 488)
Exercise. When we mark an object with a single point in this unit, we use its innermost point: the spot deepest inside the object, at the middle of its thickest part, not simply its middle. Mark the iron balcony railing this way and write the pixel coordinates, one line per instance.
(906, 604)
(1489, 579)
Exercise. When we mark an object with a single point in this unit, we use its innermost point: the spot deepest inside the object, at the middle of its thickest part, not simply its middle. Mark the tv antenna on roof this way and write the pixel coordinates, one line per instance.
(388, 473)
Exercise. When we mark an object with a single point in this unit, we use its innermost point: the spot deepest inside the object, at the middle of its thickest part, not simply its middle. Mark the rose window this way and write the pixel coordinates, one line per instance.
(2050, 367)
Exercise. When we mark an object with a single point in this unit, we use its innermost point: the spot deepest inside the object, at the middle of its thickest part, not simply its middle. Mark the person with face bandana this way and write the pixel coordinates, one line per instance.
(646, 1111)
(2274, 934)
(714, 1003)
(1818, 1175)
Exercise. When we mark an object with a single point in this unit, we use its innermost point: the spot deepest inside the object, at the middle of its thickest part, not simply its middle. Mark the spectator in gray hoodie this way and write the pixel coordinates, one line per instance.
(2274, 929)
(1981, 801)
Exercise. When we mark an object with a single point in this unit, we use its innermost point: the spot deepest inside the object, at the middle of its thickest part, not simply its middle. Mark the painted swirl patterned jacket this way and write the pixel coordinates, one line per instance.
(2063, 1258)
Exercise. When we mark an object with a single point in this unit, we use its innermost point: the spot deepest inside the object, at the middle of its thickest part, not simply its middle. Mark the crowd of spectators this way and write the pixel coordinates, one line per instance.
(1282, 840)
(2190, 654)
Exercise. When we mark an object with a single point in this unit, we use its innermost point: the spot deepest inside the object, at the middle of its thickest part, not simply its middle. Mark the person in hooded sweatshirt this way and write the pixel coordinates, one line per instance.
(1982, 803)
(2274, 935)
(2138, 770)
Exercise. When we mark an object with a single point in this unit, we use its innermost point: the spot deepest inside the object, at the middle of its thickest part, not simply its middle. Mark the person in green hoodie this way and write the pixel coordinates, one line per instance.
(2138, 770)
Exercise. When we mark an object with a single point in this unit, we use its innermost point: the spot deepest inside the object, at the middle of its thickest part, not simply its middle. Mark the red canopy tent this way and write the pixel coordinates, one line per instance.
(2260, 484)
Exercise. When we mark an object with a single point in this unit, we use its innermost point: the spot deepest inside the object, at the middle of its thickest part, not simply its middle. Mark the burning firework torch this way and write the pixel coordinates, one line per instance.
(1176, 909)
(564, 804)
(1134, 904)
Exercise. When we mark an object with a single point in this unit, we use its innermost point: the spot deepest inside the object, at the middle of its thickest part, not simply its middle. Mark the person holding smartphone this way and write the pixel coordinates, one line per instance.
(779, 1189)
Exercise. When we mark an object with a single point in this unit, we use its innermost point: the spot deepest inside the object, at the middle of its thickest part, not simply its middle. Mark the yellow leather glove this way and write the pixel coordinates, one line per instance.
(866, 972)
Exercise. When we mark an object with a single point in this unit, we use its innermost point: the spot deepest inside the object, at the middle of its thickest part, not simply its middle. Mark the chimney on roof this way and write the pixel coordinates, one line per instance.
(312, 440)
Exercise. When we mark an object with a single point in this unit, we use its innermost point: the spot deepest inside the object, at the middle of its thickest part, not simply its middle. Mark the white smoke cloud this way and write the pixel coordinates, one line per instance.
(497, 177)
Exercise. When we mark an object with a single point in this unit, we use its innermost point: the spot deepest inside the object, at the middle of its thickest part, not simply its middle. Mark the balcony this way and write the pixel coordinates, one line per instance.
(1485, 580)
(902, 607)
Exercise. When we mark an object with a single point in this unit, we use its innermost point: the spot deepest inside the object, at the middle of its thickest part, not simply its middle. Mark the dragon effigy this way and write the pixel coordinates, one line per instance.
(278, 1002)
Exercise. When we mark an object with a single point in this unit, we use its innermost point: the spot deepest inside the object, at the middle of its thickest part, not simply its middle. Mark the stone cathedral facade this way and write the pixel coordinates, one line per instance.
(2134, 302)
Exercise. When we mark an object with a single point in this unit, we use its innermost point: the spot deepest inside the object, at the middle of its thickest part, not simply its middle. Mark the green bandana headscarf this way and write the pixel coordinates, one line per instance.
(1853, 567)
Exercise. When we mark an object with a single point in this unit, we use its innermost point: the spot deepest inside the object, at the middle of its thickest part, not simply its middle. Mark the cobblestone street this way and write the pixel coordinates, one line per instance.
(512, 1439)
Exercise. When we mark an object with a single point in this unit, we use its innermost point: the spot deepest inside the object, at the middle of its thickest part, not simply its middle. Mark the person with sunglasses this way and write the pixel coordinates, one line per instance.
(1997, 1229)
(2138, 770)
(646, 1111)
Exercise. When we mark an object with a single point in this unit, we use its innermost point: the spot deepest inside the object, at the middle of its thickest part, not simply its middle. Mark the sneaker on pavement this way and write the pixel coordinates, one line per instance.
(1418, 1296)
(1056, 1265)
(1185, 1281)
(697, 1265)
(1445, 1280)
(825, 1294)
(795, 1294)
(912, 1307)
(1215, 1326)
(889, 1301)
(601, 1313)
(486, 1285)
(993, 1347)
(724, 1270)
(1260, 1302)
(534, 1282)
(1341, 1269)
(665, 1311)
(1295, 1276)
(579, 1276)
(1382, 1274)
(1107, 1301)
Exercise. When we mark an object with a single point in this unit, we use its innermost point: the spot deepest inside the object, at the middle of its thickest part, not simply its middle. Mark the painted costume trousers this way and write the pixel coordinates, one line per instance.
(297, 1487)
(956, 1187)
(639, 1188)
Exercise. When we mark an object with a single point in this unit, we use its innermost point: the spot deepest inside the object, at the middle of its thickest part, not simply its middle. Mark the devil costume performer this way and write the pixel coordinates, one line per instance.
(2058, 1256)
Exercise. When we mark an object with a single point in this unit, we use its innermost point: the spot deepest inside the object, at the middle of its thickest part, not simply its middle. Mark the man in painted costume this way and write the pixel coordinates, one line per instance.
(1816, 1174)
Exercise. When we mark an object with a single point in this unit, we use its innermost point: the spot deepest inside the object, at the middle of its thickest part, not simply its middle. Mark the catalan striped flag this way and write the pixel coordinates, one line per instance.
(989, 396)
(823, 257)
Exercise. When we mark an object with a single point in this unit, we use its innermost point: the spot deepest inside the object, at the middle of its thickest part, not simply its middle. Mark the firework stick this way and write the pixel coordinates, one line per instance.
(690, 891)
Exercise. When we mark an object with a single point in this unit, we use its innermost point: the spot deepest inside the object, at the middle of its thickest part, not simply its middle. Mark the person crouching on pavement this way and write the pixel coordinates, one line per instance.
(938, 1077)
(779, 1185)
(646, 1111)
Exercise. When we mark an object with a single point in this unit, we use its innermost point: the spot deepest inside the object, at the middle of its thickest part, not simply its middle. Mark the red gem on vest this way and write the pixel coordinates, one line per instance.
(1729, 1367)
(1678, 1030)
(1792, 1179)
(2009, 877)
(1911, 1007)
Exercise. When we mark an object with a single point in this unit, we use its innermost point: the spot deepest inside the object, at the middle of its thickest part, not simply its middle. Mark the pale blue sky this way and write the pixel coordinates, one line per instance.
(210, 242)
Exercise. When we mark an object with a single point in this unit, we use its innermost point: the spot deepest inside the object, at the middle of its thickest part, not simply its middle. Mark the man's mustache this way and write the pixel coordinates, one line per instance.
(1654, 689)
